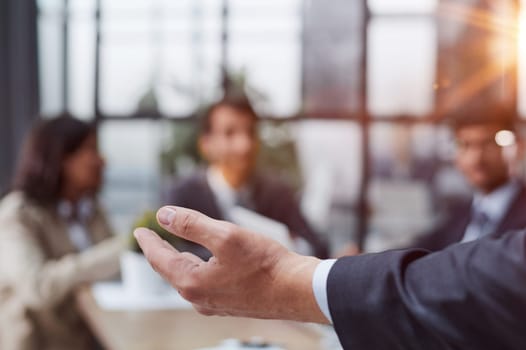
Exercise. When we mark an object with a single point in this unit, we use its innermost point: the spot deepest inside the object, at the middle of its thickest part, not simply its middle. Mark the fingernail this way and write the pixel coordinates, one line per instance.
(166, 216)
(139, 232)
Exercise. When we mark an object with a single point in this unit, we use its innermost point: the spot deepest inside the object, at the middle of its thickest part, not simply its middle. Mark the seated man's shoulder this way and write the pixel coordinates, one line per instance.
(272, 183)
(195, 180)
(521, 193)
(456, 205)
(186, 187)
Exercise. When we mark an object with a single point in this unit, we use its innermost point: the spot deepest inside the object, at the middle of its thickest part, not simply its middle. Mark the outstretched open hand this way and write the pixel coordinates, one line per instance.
(248, 275)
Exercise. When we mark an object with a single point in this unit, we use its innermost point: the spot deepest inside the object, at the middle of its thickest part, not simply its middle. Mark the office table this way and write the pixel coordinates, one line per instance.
(186, 329)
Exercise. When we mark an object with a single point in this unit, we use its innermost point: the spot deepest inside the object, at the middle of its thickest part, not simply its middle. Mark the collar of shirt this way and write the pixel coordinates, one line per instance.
(226, 196)
(496, 203)
(80, 212)
(76, 218)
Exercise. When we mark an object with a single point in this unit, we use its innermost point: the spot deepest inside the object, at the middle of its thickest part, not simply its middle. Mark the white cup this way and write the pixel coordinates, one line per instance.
(138, 277)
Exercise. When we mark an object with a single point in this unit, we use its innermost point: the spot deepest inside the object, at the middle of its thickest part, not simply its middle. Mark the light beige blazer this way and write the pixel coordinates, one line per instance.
(40, 270)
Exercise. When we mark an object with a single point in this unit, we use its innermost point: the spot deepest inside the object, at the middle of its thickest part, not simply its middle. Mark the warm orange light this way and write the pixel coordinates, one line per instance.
(503, 45)
(521, 48)
(521, 37)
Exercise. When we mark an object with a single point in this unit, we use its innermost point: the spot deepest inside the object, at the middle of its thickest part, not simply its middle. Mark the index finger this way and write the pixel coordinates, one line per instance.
(165, 259)
(194, 226)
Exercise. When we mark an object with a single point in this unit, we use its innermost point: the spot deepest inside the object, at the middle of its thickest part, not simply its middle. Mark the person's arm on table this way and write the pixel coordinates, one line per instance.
(40, 282)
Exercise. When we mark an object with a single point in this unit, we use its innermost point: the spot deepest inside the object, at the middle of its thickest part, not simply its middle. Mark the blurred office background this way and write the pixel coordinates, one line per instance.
(351, 94)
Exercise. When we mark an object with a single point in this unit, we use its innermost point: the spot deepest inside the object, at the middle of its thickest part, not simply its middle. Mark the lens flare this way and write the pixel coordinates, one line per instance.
(505, 138)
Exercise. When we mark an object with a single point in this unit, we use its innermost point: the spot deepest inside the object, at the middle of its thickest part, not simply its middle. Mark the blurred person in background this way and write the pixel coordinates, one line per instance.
(54, 238)
(498, 203)
(229, 142)
(488, 151)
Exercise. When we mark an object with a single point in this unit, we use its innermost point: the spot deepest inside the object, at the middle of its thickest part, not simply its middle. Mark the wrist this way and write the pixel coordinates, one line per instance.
(295, 295)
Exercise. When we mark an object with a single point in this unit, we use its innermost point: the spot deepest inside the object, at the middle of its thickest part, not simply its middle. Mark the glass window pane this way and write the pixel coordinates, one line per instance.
(402, 6)
(412, 177)
(82, 58)
(332, 57)
(265, 39)
(189, 77)
(82, 8)
(128, 55)
(330, 159)
(190, 73)
(477, 61)
(50, 63)
(126, 74)
(160, 57)
(115, 6)
(132, 153)
(401, 66)
(50, 55)
(50, 6)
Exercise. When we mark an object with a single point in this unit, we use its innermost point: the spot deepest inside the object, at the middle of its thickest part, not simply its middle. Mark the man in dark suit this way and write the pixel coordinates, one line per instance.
(467, 296)
(499, 201)
(228, 141)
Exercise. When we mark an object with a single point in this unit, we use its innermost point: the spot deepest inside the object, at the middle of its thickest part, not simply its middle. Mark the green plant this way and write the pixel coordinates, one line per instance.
(149, 221)
(182, 143)
(278, 154)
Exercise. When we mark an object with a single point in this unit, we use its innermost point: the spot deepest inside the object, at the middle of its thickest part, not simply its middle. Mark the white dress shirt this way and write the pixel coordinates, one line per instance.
(76, 222)
(319, 286)
(228, 198)
(225, 195)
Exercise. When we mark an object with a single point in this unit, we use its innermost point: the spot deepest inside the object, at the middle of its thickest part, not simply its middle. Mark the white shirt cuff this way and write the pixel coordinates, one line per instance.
(319, 286)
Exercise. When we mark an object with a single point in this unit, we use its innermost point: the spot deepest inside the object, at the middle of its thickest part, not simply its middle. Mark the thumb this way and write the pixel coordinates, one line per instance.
(194, 226)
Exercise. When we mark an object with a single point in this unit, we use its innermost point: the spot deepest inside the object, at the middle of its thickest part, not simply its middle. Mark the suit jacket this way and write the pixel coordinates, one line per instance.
(39, 271)
(467, 296)
(453, 229)
(271, 198)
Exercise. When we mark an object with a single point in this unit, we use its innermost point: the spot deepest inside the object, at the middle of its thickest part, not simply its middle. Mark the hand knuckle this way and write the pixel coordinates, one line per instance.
(190, 289)
(172, 263)
(188, 222)
(232, 238)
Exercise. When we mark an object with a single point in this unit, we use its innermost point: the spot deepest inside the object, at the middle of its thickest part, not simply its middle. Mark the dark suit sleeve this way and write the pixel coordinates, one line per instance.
(469, 296)
(436, 239)
(448, 231)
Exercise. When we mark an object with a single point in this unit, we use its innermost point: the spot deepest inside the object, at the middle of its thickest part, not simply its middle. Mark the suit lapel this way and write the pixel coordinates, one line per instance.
(55, 232)
(208, 199)
(462, 220)
(515, 217)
